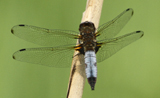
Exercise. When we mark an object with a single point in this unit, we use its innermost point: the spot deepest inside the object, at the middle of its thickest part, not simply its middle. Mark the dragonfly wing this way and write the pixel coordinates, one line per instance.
(111, 46)
(113, 27)
(45, 37)
(49, 56)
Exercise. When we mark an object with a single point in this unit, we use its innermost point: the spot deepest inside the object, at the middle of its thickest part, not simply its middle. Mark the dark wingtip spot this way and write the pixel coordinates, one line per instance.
(138, 31)
(21, 25)
(132, 13)
(142, 34)
(13, 57)
(22, 50)
(12, 31)
(128, 9)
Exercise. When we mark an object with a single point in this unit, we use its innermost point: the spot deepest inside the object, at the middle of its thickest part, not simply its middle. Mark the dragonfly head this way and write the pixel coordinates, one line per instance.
(86, 27)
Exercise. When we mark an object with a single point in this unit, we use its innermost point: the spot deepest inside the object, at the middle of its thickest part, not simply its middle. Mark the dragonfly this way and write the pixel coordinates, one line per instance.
(95, 44)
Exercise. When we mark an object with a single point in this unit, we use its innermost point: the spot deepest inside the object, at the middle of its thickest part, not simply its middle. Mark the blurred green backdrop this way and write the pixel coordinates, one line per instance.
(133, 72)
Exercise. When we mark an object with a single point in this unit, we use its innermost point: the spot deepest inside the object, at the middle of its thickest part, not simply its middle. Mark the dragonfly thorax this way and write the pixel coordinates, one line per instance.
(87, 32)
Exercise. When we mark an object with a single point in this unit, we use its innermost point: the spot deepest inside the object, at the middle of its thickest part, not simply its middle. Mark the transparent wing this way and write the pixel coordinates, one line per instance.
(45, 37)
(49, 56)
(111, 46)
(113, 27)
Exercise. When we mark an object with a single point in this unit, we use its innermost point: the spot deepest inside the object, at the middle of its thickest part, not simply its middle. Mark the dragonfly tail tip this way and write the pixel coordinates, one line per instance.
(12, 31)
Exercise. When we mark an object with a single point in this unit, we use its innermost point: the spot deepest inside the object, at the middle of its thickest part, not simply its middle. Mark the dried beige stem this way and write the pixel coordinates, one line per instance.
(77, 74)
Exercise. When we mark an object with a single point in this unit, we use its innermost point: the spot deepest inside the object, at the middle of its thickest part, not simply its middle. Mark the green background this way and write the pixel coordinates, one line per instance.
(133, 72)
